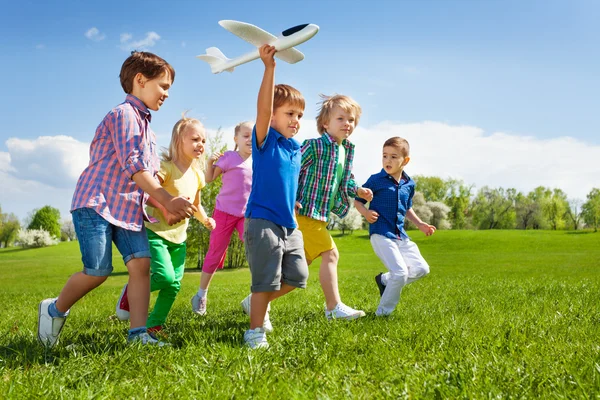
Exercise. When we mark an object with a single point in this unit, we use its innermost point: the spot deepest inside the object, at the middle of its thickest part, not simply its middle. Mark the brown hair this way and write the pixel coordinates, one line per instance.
(328, 103)
(148, 64)
(239, 127)
(400, 144)
(172, 153)
(285, 94)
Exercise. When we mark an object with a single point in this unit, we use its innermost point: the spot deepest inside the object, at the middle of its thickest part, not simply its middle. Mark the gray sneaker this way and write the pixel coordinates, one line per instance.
(48, 327)
(267, 326)
(145, 339)
(256, 338)
(199, 304)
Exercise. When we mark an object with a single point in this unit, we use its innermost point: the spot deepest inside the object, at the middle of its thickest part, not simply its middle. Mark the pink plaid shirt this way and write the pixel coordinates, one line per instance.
(123, 145)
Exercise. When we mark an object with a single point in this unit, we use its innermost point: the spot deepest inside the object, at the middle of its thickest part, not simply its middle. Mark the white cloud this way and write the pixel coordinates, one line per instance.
(94, 34)
(5, 162)
(52, 160)
(40, 46)
(143, 44)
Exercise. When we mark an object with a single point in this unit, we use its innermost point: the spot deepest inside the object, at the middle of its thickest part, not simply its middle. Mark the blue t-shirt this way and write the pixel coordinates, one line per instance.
(391, 200)
(275, 172)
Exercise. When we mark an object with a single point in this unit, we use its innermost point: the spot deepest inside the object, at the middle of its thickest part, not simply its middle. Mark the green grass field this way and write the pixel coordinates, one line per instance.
(503, 314)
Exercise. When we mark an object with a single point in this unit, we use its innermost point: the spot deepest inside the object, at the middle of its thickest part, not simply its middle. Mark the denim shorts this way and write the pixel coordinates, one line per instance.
(95, 236)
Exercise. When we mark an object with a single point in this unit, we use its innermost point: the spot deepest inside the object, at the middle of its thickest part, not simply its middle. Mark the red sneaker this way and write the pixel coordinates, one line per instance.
(122, 309)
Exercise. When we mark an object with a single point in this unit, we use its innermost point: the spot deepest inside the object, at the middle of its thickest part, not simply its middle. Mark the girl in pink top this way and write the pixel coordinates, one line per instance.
(236, 167)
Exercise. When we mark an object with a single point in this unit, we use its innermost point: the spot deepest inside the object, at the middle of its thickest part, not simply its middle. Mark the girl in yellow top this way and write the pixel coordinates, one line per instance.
(180, 175)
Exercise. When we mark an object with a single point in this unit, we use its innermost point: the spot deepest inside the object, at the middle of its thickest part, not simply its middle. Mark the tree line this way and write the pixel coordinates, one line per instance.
(445, 203)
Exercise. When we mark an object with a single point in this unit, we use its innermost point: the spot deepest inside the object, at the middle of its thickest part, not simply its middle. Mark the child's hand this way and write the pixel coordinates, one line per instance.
(371, 216)
(366, 194)
(171, 219)
(214, 157)
(210, 224)
(297, 207)
(181, 207)
(267, 55)
(427, 229)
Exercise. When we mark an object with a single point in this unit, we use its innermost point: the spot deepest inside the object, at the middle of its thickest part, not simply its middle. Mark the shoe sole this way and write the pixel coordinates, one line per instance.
(348, 318)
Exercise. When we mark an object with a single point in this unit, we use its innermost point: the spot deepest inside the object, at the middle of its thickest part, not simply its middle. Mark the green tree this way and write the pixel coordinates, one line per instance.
(591, 209)
(432, 187)
(494, 208)
(573, 214)
(458, 199)
(527, 211)
(555, 208)
(47, 218)
(9, 228)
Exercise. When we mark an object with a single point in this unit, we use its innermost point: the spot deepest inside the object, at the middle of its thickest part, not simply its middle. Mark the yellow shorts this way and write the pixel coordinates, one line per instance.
(317, 239)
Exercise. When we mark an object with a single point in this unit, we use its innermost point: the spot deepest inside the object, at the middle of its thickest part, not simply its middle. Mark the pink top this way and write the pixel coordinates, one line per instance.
(123, 145)
(237, 183)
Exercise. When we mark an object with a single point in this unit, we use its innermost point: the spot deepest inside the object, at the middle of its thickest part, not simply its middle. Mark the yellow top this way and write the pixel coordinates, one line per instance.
(177, 184)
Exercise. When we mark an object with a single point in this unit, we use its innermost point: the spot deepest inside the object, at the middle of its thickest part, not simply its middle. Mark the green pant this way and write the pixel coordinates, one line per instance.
(166, 271)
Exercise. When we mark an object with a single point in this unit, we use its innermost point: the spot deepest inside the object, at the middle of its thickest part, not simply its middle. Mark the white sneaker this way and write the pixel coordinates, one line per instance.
(342, 311)
(199, 304)
(256, 338)
(145, 339)
(48, 327)
(267, 326)
(122, 309)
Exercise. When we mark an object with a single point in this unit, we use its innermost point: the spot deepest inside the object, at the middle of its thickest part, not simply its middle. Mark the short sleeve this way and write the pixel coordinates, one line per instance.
(224, 162)
(201, 181)
(165, 171)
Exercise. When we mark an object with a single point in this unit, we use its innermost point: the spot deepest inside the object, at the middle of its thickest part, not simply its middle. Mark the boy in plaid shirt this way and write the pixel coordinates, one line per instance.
(326, 185)
(108, 204)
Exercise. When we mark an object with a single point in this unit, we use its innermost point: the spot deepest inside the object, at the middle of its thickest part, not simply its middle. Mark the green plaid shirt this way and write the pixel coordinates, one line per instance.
(316, 183)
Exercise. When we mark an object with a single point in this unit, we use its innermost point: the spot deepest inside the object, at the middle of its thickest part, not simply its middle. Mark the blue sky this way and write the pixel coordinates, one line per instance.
(518, 78)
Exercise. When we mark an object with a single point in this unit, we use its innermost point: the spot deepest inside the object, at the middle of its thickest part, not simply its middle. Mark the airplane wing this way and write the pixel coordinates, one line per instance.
(256, 36)
(250, 33)
(290, 55)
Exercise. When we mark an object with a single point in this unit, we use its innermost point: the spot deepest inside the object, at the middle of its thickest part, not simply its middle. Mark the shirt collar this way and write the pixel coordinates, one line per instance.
(329, 139)
(137, 103)
(384, 174)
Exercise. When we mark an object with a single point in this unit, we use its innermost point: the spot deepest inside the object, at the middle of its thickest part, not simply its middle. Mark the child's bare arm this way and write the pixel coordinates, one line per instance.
(201, 215)
(264, 107)
(178, 206)
(424, 227)
(370, 215)
(212, 172)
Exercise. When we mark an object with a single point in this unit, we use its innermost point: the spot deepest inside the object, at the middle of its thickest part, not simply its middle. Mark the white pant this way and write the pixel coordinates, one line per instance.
(405, 263)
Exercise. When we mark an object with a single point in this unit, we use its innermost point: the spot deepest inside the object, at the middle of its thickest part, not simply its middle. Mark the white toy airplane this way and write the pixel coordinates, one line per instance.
(284, 44)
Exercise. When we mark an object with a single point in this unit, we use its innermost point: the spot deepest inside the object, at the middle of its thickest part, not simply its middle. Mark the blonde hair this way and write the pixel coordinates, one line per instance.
(239, 127)
(328, 103)
(400, 144)
(285, 94)
(172, 153)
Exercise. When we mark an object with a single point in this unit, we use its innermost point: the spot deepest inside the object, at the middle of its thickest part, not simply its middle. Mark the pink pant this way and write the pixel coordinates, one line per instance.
(219, 240)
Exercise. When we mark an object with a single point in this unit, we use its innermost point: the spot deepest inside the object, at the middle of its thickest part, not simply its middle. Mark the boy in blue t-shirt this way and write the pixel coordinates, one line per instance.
(393, 191)
(274, 245)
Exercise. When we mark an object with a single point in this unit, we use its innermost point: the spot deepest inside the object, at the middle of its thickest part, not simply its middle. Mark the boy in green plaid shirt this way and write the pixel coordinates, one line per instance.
(326, 185)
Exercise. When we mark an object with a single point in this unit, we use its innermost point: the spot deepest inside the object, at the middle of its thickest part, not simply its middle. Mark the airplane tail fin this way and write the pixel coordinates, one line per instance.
(216, 59)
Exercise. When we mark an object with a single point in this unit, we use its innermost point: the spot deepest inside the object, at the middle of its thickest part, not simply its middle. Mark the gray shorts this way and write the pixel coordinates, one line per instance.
(275, 254)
